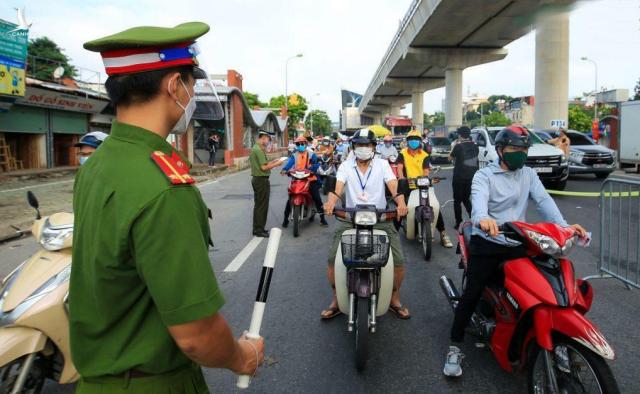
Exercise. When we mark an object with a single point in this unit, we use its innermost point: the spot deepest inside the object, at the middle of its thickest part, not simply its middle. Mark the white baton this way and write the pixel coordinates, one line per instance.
(263, 291)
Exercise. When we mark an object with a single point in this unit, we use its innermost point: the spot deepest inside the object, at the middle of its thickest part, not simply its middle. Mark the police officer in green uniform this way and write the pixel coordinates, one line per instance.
(144, 302)
(260, 171)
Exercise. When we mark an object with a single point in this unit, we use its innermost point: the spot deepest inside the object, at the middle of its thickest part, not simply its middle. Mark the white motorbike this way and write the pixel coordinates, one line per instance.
(424, 209)
(34, 315)
(363, 273)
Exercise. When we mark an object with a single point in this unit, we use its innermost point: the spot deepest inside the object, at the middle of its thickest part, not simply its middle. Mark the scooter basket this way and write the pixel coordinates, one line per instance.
(365, 250)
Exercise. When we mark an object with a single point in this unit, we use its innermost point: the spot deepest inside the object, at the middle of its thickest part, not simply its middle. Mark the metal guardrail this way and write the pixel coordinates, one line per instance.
(620, 231)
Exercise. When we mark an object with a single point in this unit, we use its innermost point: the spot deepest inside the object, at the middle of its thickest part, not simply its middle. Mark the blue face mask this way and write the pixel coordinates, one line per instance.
(301, 148)
(413, 144)
(83, 159)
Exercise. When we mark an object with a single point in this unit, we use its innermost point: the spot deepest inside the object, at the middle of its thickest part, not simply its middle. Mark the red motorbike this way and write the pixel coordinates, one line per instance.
(535, 320)
(300, 198)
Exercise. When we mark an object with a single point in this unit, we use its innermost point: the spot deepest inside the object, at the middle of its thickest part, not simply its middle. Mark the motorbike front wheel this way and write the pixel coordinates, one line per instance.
(10, 372)
(576, 370)
(426, 239)
(362, 333)
(296, 220)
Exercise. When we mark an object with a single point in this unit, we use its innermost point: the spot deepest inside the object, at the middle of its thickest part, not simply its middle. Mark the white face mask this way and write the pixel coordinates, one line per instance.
(364, 153)
(82, 159)
(183, 122)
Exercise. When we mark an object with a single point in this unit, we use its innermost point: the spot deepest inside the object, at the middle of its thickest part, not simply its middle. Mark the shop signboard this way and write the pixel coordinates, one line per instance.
(59, 100)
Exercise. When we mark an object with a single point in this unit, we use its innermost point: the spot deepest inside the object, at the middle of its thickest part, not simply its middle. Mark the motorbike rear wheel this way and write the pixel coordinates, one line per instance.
(10, 372)
(427, 243)
(361, 333)
(296, 220)
(576, 369)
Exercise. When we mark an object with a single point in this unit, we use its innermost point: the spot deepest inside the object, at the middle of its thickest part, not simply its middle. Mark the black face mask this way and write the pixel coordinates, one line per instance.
(514, 160)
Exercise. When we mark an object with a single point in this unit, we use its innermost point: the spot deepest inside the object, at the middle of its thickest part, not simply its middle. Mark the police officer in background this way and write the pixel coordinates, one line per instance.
(144, 301)
(260, 171)
(465, 157)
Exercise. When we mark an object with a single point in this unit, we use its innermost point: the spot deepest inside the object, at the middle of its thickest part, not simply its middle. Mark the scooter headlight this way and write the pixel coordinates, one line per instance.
(546, 244)
(365, 218)
(55, 237)
(423, 182)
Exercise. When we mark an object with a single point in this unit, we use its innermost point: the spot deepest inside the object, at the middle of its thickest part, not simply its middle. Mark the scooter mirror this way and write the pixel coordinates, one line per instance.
(33, 201)
(330, 181)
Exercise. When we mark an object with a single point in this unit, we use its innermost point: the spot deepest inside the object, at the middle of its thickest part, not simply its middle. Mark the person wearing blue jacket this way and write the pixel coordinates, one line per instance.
(303, 159)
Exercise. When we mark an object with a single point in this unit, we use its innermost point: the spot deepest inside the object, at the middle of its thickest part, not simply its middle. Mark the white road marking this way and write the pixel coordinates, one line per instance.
(34, 186)
(244, 254)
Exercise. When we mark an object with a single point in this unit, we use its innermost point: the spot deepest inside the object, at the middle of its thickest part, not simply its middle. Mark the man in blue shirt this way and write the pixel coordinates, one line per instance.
(499, 194)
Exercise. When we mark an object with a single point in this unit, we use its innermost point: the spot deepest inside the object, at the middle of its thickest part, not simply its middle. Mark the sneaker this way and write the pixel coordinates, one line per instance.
(323, 221)
(453, 365)
(445, 240)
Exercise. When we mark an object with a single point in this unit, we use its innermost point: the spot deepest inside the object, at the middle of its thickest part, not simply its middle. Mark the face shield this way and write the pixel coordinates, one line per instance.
(208, 106)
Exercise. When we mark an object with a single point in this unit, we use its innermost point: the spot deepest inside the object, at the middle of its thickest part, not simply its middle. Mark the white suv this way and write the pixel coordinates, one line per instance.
(548, 161)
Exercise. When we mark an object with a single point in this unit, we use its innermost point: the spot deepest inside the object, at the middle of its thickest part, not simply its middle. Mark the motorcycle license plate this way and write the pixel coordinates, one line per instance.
(543, 170)
(600, 165)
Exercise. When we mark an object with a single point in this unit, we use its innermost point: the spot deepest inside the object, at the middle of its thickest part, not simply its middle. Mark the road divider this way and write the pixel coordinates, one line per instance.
(592, 194)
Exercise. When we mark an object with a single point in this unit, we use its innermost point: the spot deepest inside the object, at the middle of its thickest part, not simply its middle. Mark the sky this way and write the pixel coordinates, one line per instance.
(342, 42)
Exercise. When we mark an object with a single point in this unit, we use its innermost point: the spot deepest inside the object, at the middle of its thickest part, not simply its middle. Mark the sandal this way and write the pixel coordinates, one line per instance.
(400, 311)
(332, 312)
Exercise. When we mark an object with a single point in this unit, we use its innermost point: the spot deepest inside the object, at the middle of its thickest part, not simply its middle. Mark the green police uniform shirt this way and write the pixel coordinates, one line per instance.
(257, 159)
(140, 259)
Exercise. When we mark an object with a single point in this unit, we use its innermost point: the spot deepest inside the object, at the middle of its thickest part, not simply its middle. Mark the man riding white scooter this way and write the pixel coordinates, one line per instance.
(499, 194)
(363, 180)
(415, 162)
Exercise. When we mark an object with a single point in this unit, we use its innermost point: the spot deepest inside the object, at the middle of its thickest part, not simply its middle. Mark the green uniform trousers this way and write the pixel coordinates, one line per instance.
(185, 380)
(261, 191)
(388, 227)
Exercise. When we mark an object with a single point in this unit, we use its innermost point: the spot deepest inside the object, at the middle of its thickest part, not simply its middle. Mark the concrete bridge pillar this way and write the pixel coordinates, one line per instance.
(417, 109)
(552, 69)
(395, 110)
(453, 98)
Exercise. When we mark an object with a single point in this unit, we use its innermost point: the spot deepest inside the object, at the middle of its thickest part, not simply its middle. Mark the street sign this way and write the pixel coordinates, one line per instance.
(13, 53)
(557, 123)
(13, 44)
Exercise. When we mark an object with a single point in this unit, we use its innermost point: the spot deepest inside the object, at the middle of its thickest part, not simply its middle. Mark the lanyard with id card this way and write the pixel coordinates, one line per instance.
(363, 197)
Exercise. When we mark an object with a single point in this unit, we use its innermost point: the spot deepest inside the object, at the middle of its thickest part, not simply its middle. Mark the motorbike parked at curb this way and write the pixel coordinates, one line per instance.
(363, 273)
(302, 206)
(424, 209)
(34, 315)
(535, 320)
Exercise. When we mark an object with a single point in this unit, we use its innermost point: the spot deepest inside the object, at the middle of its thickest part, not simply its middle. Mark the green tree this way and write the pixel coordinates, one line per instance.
(472, 118)
(297, 108)
(431, 121)
(579, 118)
(321, 122)
(49, 56)
(253, 100)
(493, 99)
(496, 118)
(636, 91)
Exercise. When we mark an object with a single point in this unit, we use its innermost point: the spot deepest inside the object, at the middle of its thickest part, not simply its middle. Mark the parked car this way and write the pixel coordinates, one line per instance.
(547, 160)
(585, 156)
(440, 149)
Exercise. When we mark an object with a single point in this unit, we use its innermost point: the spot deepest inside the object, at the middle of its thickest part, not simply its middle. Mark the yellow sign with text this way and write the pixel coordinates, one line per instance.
(12, 81)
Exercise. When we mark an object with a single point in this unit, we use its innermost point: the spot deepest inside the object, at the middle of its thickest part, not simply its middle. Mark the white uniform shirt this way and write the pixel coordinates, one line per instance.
(374, 181)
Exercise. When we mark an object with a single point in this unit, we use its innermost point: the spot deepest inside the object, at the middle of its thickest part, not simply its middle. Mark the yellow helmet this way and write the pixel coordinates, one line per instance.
(414, 134)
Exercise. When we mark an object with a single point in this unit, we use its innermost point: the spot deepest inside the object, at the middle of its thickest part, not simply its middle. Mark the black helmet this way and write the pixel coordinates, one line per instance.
(364, 136)
(464, 131)
(514, 135)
